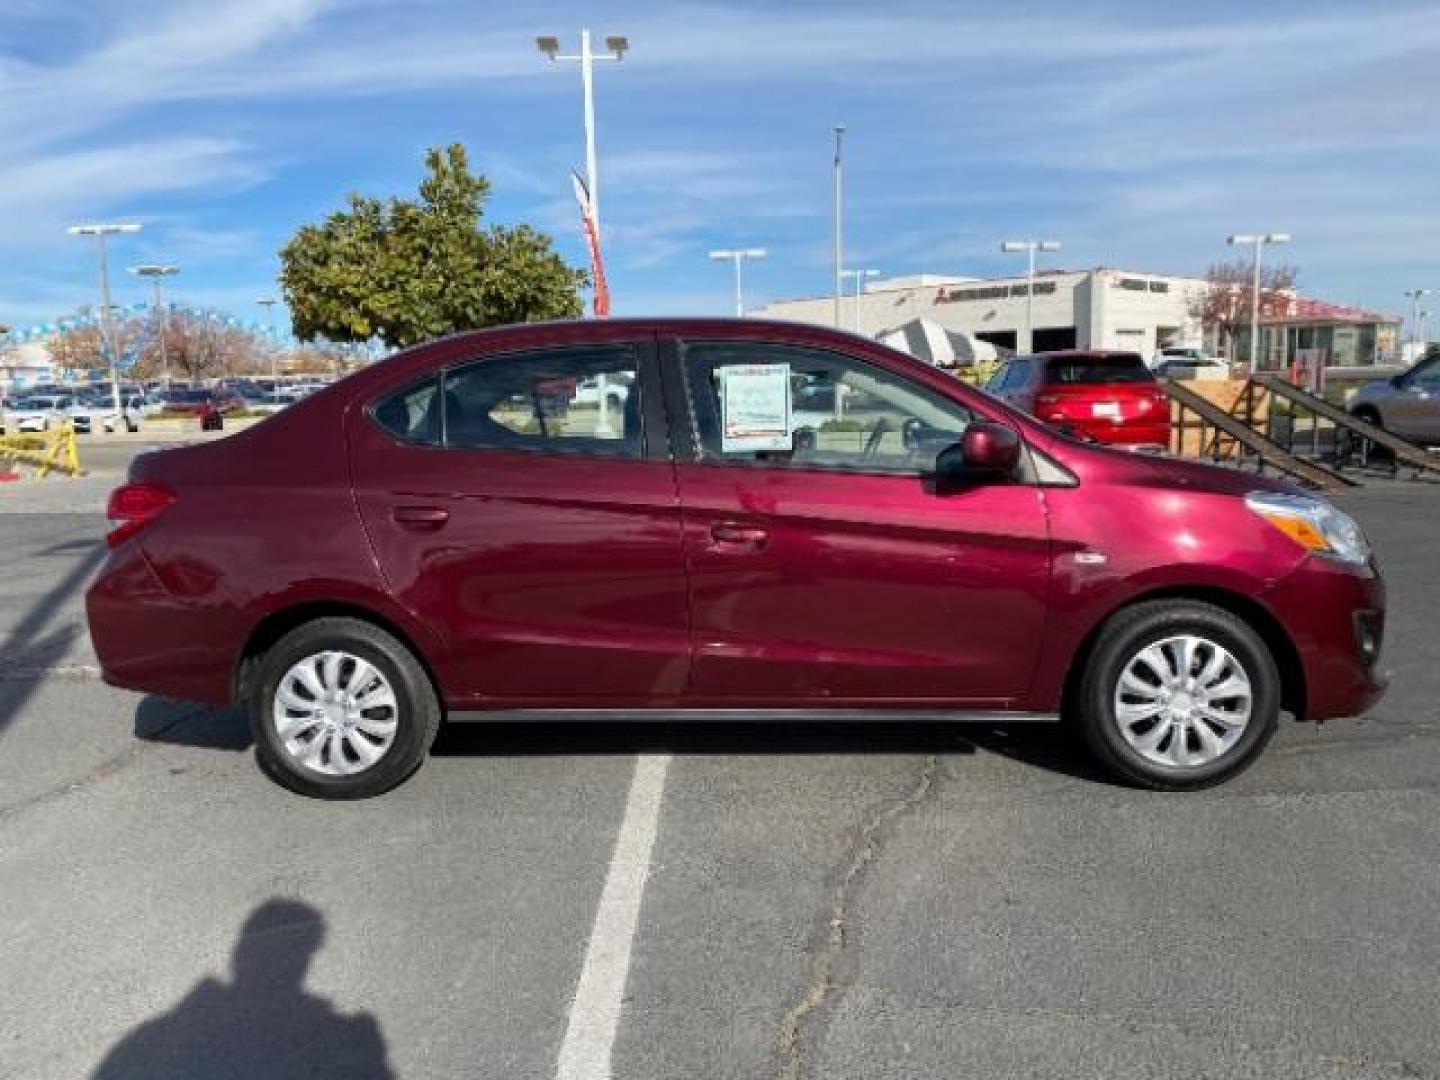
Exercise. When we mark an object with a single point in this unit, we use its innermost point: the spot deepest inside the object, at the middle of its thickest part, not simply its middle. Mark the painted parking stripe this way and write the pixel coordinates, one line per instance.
(595, 1013)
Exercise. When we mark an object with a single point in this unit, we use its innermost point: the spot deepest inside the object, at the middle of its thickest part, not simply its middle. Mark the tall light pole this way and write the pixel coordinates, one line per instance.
(107, 326)
(859, 276)
(738, 256)
(157, 272)
(839, 219)
(1258, 240)
(1414, 295)
(586, 57)
(267, 305)
(1030, 247)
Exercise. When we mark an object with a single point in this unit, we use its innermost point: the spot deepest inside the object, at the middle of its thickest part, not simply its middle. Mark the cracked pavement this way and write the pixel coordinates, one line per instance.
(845, 900)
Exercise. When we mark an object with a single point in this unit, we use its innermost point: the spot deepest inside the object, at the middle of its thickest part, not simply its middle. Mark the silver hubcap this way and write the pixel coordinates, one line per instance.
(335, 713)
(1183, 702)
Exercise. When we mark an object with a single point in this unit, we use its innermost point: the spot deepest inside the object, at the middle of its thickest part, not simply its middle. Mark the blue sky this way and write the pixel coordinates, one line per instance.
(1138, 134)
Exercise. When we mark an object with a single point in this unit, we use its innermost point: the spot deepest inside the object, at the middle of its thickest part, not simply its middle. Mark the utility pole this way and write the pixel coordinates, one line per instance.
(839, 218)
(1258, 240)
(156, 272)
(107, 325)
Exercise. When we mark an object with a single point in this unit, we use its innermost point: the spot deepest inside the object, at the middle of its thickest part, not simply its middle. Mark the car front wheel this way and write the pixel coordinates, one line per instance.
(341, 710)
(1179, 695)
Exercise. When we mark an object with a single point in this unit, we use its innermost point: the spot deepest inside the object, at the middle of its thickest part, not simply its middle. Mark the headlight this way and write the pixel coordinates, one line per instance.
(1313, 524)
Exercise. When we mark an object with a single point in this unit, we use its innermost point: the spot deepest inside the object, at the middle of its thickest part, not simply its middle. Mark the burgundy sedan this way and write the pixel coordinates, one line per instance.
(769, 517)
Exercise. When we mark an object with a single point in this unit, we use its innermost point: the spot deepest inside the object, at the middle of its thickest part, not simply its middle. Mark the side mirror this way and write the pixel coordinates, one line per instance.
(987, 451)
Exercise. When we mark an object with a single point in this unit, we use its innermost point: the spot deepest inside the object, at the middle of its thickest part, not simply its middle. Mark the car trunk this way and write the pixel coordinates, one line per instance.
(1105, 387)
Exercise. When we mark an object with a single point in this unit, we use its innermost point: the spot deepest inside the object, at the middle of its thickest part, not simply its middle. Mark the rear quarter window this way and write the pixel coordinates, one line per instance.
(412, 414)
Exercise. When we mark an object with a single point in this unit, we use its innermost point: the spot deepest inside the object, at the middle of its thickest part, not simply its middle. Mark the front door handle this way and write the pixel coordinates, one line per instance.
(420, 518)
(733, 534)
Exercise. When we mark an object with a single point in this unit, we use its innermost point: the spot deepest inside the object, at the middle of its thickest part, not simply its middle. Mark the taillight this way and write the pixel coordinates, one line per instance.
(1047, 405)
(132, 507)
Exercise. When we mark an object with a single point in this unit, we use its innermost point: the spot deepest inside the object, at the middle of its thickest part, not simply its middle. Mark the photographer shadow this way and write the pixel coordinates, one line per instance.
(262, 1022)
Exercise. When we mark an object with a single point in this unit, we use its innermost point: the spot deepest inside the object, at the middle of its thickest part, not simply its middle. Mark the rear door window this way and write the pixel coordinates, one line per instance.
(583, 399)
(1097, 370)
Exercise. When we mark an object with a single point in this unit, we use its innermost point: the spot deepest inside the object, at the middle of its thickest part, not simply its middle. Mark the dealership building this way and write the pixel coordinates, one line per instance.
(1087, 309)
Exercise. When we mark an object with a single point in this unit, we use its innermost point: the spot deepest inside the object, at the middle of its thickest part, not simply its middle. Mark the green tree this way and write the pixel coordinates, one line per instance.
(412, 270)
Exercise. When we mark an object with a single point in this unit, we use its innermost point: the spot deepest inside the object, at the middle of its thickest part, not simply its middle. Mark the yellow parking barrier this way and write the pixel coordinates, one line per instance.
(56, 450)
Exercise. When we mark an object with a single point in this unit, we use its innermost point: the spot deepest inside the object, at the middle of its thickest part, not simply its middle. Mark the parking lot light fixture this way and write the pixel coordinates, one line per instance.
(157, 272)
(737, 256)
(107, 327)
(859, 276)
(839, 218)
(586, 58)
(267, 305)
(1029, 247)
(1258, 241)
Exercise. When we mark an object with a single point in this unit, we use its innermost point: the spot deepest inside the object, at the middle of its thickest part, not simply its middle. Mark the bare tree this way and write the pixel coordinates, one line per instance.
(197, 346)
(1224, 305)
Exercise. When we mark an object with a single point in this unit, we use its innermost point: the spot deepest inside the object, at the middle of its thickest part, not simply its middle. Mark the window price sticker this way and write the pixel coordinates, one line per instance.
(755, 407)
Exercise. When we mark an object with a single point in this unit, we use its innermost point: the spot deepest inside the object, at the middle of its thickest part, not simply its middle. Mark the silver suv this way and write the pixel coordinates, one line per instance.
(1407, 405)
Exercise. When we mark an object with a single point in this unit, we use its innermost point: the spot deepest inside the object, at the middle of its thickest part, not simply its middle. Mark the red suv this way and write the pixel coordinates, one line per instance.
(441, 536)
(1110, 397)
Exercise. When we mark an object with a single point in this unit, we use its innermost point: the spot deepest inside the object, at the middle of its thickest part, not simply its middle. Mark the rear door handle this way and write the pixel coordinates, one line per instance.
(420, 518)
(733, 534)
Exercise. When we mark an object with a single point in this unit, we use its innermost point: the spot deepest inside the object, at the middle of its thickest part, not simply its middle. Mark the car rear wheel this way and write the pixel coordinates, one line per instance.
(341, 710)
(1179, 695)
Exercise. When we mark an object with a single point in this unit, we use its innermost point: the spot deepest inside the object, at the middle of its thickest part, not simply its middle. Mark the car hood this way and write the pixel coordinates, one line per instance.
(1373, 388)
(1104, 464)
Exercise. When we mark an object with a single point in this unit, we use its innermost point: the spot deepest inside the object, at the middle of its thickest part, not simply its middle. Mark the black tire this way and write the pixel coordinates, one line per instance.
(417, 712)
(1122, 638)
(1379, 454)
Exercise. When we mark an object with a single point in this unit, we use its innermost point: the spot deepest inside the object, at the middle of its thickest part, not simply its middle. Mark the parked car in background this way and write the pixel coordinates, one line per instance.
(94, 407)
(431, 545)
(1407, 405)
(41, 412)
(259, 400)
(1111, 397)
(1190, 364)
(198, 402)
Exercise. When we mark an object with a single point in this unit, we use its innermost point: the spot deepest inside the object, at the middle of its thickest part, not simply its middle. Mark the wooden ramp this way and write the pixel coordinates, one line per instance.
(1265, 452)
(1414, 456)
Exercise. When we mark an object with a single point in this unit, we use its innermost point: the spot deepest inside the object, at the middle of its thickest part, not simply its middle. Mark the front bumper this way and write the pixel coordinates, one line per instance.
(1336, 618)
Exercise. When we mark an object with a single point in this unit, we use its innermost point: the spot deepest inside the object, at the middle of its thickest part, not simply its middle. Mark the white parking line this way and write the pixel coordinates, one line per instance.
(595, 1013)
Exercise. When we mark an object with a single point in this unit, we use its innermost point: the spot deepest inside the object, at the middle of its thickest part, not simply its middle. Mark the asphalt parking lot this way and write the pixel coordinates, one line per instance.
(843, 900)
